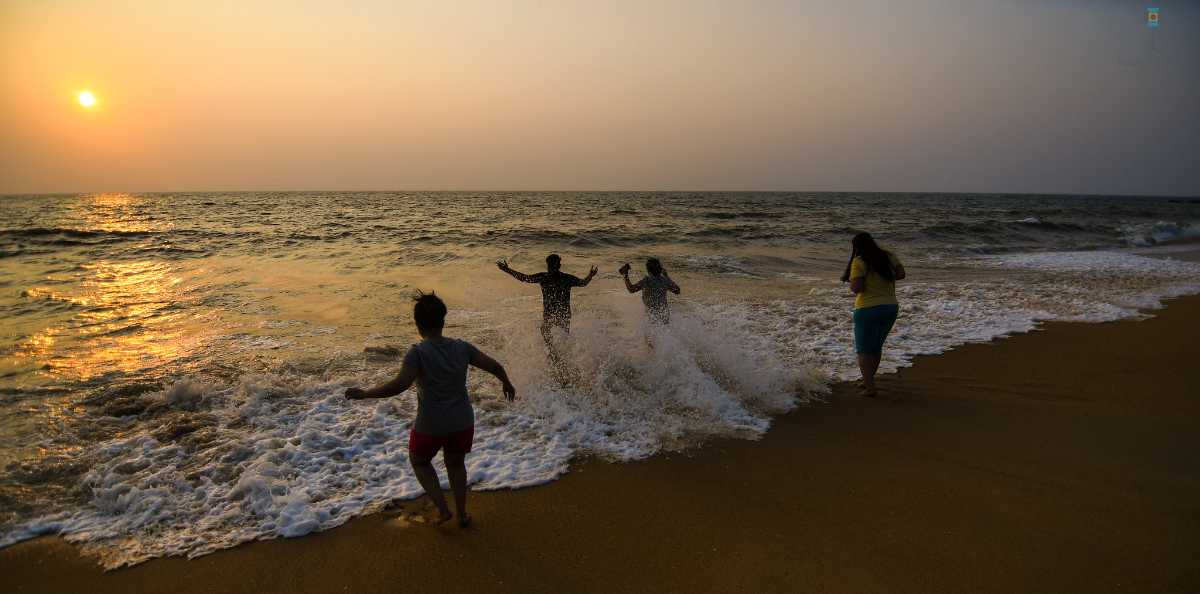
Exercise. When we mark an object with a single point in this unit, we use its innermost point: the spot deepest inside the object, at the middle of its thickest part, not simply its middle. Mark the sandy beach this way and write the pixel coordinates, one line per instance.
(1056, 461)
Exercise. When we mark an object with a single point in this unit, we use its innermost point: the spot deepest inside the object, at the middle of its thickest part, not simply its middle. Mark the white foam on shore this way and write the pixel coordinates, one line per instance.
(1105, 286)
(281, 457)
(283, 454)
(939, 316)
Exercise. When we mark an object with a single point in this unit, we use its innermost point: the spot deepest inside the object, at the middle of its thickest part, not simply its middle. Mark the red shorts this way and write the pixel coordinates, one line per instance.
(424, 445)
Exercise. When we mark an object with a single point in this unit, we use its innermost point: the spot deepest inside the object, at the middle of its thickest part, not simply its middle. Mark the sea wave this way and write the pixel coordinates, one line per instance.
(199, 463)
(1029, 232)
(1161, 232)
(997, 227)
(237, 332)
(203, 465)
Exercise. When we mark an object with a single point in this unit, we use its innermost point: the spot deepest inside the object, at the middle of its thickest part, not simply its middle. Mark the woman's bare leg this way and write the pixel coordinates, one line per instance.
(868, 364)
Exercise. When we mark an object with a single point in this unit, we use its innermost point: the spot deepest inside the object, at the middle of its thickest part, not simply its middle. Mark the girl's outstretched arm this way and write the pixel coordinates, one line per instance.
(631, 287)
(481, 360)
(400, 383)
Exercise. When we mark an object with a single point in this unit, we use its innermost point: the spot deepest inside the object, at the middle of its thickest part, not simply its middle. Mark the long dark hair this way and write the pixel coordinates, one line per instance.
(864, 246)
(654, 266)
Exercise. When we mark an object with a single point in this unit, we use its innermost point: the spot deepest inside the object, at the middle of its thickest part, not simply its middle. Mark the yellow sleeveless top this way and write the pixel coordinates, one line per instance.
(878, 290)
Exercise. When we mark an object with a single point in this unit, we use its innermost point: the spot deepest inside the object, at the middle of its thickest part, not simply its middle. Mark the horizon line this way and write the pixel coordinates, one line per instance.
(576, 191)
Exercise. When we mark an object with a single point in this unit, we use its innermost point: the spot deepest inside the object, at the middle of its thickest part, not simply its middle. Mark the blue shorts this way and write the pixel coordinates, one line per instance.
(871, 326)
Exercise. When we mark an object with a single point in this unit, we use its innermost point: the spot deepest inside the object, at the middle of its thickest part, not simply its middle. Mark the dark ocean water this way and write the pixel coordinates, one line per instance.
(171, 364)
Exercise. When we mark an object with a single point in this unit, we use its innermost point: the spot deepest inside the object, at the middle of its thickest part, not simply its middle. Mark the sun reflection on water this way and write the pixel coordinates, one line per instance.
(120, 213)
(128, 318)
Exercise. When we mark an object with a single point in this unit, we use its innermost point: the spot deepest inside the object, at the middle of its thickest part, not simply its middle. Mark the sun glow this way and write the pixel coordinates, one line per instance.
(87, 99)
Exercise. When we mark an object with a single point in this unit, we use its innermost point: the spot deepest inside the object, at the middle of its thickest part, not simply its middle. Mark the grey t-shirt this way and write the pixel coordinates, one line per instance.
(654, 292)
(442, 403)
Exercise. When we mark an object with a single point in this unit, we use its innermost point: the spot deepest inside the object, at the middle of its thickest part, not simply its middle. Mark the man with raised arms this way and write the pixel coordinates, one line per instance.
(556, 294)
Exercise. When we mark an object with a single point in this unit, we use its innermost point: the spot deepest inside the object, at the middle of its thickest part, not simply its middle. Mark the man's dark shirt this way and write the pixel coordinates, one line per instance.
(556, 295)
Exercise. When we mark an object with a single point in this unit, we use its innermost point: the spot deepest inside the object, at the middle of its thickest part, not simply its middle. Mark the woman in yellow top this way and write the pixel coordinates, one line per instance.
(872, 274)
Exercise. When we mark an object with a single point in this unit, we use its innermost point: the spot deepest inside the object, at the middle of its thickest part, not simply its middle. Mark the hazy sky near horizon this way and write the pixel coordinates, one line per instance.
(1072, 96)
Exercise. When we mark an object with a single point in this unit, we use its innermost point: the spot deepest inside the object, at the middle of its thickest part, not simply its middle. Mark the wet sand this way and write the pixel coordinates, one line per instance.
(1064, 460)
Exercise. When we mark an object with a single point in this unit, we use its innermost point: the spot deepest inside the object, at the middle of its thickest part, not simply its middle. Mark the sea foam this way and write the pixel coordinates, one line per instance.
(204, 463)
(284, 454)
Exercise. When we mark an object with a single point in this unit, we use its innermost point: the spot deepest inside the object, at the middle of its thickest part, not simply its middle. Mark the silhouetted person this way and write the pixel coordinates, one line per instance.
(445, 419)
(654, 287)
(556, 294)
(872, 273)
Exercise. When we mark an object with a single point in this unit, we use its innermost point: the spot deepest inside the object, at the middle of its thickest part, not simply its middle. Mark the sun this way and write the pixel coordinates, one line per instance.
(87, 99)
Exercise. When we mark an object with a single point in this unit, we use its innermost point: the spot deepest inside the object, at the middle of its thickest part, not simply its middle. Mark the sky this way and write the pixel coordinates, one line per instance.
(1049, 96)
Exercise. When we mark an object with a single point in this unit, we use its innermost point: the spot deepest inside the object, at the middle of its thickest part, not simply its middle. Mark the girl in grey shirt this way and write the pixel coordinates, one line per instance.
(445, 420)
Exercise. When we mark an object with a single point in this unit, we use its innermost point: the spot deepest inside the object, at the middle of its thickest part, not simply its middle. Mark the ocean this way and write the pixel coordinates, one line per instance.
(172, 365)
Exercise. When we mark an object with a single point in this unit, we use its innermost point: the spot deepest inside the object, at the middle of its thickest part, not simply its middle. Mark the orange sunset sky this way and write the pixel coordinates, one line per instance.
(1015, 96)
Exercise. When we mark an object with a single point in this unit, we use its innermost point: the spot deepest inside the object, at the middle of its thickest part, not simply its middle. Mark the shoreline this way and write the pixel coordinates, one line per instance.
(1055, 460)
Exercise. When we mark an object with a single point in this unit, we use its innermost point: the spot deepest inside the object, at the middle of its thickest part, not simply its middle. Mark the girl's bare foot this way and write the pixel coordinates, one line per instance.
(867, 392)
(444, 516)
(464, 521)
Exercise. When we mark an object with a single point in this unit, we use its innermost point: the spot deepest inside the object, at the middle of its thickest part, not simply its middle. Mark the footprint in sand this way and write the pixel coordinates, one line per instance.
(403, 517)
